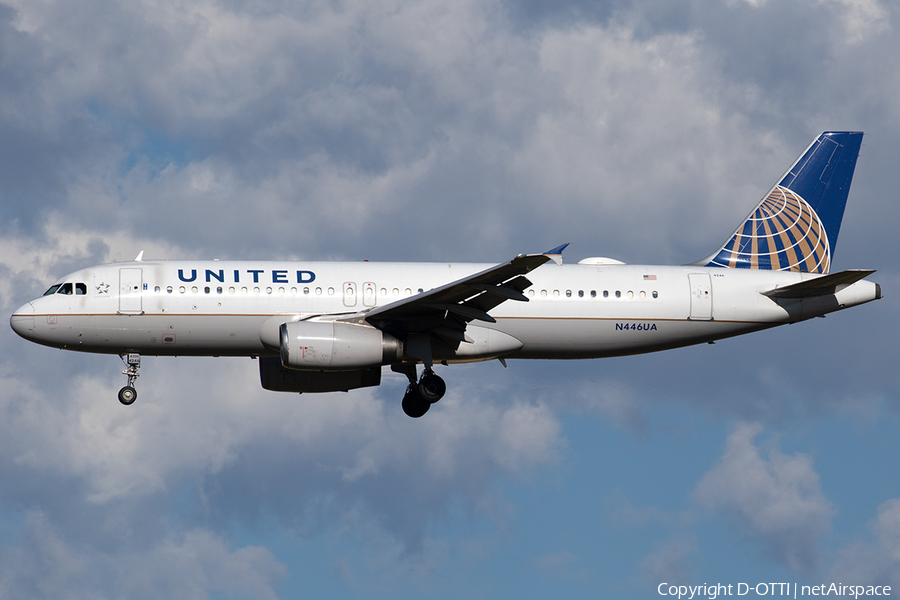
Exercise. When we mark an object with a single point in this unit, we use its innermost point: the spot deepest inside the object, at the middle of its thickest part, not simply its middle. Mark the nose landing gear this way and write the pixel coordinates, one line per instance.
(127, 395)
(420, 396)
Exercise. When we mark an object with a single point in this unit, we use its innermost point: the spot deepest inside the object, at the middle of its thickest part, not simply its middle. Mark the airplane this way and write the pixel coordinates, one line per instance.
(332, 326)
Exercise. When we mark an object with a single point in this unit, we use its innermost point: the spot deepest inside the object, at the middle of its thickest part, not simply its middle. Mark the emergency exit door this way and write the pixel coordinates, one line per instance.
(701, 297)
(130, 288)
(349, 294)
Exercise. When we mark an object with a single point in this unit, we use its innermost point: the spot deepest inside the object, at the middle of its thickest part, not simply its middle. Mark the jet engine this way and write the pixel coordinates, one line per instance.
(332, 346)
(276, 378)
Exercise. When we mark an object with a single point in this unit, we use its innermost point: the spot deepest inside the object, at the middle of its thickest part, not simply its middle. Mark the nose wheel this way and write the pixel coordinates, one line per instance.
(420, 396)
(127, 395)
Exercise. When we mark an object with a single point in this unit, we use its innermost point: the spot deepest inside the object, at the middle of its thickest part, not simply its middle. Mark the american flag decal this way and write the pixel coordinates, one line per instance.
(649, 277)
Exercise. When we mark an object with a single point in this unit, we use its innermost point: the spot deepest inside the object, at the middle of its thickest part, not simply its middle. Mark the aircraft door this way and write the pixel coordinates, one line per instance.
(369, 294)
(701, 296)
(130, 284)
(349, 294)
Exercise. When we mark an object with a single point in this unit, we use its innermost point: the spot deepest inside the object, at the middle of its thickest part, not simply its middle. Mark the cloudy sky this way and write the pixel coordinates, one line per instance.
(472, 130)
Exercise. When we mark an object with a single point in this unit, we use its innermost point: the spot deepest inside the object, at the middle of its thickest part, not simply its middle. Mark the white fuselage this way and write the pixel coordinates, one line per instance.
(221, 308)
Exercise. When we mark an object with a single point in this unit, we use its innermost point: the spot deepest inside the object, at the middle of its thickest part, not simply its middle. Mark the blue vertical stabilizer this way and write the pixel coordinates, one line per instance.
(795, 227)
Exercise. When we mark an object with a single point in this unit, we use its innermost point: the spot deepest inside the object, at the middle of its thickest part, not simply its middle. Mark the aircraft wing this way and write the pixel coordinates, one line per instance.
(819, 286)
(444, 311)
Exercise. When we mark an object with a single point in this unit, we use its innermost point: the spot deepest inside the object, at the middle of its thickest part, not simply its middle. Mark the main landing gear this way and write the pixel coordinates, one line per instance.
(420, 396)
(127, 395)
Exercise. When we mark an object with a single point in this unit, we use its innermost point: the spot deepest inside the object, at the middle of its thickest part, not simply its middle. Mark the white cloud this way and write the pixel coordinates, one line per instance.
(777, 500)
(32, 261)
(671, 561)
(191, 565)
(414, 117)
(608, 398)
(874, 562)
(194, 416)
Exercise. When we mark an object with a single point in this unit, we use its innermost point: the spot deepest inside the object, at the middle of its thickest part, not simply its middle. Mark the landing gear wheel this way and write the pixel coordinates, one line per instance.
(431, 388)
(413, 405)
(127, 395)
(132, 360)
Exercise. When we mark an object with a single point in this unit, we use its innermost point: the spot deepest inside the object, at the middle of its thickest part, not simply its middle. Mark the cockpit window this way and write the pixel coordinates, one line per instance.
(79, 289)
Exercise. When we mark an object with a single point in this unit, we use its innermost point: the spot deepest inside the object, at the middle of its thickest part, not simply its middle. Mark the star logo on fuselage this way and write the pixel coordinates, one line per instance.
(102, 288)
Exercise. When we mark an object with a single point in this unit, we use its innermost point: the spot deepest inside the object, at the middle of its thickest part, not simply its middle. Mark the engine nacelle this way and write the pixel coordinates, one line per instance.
(278, 379)
(327, 345)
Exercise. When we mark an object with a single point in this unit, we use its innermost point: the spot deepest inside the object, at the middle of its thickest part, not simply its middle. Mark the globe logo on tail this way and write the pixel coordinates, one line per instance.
(784, 233)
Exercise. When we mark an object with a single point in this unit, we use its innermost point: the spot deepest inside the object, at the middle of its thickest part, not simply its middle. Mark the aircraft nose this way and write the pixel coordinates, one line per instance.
(22, 321)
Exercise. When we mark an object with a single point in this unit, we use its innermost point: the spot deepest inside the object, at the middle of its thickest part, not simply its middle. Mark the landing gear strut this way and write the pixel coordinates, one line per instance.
(127, 395)
(420, 396)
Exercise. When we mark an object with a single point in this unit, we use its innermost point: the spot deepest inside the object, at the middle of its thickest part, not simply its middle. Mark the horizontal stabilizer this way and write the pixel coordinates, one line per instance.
(820, 286)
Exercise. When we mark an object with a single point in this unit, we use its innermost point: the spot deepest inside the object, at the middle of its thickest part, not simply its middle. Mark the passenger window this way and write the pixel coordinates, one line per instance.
(593, 293)
(606, 293)
(81, 289)
(618, 294)
(656, 294)
(568, 293)
(52, 290)
(581, 293)
(65, 288)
